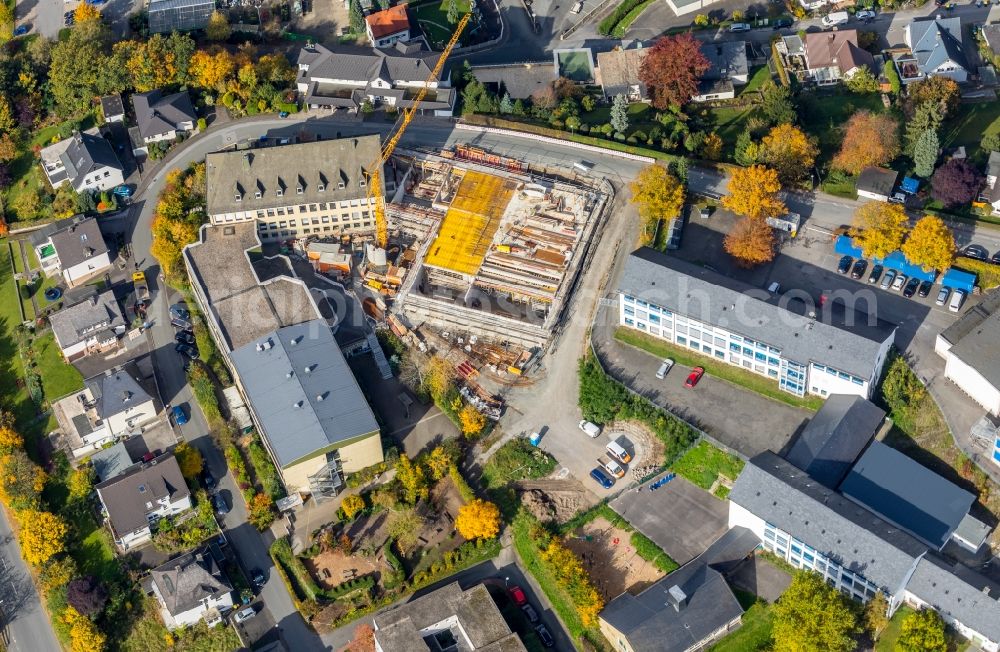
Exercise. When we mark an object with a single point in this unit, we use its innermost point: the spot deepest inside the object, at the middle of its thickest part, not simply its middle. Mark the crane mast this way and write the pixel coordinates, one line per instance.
(375, 174)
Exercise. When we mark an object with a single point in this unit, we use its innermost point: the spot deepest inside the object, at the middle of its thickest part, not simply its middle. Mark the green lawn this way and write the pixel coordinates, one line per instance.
(26, 305)
(17, 401)
(516, 460)
(824, 114)
(971, 123)
(753, 635)
(704, 463)
(730, 123)
(760, 76)
(32, 257)
(887, 642)
(15, 252)
(433, 19)
(575, 65)
(715, 367)
(640, 116)
(58, 378)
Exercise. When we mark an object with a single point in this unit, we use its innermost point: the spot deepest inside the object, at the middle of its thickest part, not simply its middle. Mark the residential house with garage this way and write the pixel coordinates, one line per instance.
(134, 501)
(834, 56)
(727, 71)
(85, 160)
(882, 528)
(93, 325)
(72, 249)
(446, 619)
(161, 118)
(192, 588)
(348, 77)
(935, 49)
(877, 183)
(296, 191)
(386, 27)
(990, 194)
(972, 359)
(832, 348)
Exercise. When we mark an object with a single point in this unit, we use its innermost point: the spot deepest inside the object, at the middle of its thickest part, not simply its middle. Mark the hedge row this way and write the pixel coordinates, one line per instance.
(464, 490)
(988, 274)
(365, 582)
(466, 555)
(607, 26)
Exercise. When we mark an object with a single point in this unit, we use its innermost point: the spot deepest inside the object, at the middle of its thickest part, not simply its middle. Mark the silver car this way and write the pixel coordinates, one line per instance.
(942, 297)
(887, 279)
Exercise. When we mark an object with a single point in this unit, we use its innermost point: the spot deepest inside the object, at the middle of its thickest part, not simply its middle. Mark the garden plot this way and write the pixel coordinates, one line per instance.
(550, 500)
(610, 559)
(333, 567)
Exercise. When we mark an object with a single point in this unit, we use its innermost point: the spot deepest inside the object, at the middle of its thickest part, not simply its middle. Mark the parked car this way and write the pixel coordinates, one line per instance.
(782, 23)
(618, 452)
(835, 18)
(544, 635)
(957, 299)
(184, 337)
(899, 282)
(774, 287)
(613, 468)
(859, 269)
(178, 311)
(183, 324)
(995, 259)
(591, 429)
(530, 613)
(602, 478)
(244, 615)
(665, 368)
(123, 191)
(219, 503)
(257, 577)
(865, 14)
(694, 377)
(976, 251)
(925, 289)
(911, 287)
(844, 265)
(887, 280)
(516, 594)
(180, 418)
(22, 30)
(69, 18)
(876, 273)
(282, 114)
(740, 27)
(187, 350)
(208, 479)
(942, 296)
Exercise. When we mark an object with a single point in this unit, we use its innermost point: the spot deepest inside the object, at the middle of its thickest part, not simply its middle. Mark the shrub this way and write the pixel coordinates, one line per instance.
(366, 475)
(265, 471)
(202, 124)
(365, 582)
(464, 490)
(607, 26)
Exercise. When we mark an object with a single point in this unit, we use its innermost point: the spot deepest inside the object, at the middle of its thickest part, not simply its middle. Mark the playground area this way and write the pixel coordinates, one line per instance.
(611, 560)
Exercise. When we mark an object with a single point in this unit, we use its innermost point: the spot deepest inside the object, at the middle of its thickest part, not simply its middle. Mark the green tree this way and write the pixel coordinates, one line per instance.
(506, 105)
(76, 72)
(922, 631)
(619, 114)
(813, 616)
(746, 150)
(928, 116)
(404, 527)
(889, 70)
(877, 615)
(925, 153)
(6, 21)
(776, 104)
(356, 17)
(861, 82)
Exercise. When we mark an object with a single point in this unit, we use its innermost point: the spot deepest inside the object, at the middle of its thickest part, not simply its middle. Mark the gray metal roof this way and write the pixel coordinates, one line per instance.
(650, 622)
(79, 241)
(834, 437)
(903, 492)
(729, 550)
(838, 337)
(838, 528)
(302, 391)
(879, 181)
(99, 312)
(111, 462)
(288, 167)
(116, 391)
(727, 59)
(936, 41)
(157, 114)
(187, 580)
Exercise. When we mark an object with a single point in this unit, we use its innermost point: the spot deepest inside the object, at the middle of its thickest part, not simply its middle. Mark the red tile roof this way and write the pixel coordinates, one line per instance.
(388, 22)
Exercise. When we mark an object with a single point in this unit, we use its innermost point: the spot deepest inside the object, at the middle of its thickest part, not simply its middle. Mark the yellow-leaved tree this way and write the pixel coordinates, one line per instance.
(84, 12)
(879, 228)
(659, 195)
(212, 68)
(9, 439)
(440, 378)
(189, 459)
(352, 505)
(750, 242)
(438, 462)
(218, 27)
(80, 483)
(413, 478)
(931, 244)
(753, 192)
(43, 535)
(83, 633)
(472, 421)
(788, 150)
(478, 519)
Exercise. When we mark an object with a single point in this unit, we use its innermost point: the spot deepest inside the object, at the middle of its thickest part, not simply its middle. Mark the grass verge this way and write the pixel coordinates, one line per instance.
(516, 460)
(754, 634)
(714, 367)
(704, 463)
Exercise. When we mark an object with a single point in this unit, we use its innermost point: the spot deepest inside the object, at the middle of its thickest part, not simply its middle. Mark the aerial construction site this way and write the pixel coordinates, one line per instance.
(484, 250)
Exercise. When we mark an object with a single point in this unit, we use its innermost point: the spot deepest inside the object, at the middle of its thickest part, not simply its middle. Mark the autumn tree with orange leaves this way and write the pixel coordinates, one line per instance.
(869, 139)
(212, 68)
(753, 192)
(84, 12)
(671, 70)
(750, 242)
(176, 222)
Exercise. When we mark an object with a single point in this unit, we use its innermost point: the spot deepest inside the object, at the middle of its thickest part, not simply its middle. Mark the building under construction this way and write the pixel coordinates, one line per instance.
(496, 251)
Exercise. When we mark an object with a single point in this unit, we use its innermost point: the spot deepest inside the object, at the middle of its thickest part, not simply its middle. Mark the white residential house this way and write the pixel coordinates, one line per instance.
(161, 117)
(111, 406)
(389, 77)
(192, 588)
(972, 356)
(86, 161)
(73, 249)
(90, 326)
(386, 27)
(935, 50)
(135, 500)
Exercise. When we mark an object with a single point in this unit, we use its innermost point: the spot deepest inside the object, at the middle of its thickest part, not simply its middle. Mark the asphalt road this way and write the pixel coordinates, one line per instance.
(28, 628)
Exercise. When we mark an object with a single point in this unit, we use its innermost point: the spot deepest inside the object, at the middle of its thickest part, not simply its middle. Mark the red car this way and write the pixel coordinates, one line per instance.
(517, 595)
(694, 377)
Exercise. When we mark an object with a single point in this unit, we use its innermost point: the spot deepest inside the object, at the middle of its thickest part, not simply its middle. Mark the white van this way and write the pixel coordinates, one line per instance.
(591, 429)
(613, 468)
(618, 452)
(577, 8)
(957, 299)
(835, 18)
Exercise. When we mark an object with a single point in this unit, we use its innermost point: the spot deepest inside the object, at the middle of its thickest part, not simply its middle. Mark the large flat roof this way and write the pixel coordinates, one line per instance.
(305, 397)
(837, 336)
(903, 492)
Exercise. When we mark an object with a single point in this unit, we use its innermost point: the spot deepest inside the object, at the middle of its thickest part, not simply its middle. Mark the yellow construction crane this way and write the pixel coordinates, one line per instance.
(375, 174)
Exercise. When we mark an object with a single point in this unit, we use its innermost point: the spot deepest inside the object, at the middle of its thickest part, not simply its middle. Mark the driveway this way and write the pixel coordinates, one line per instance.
(679, 517)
